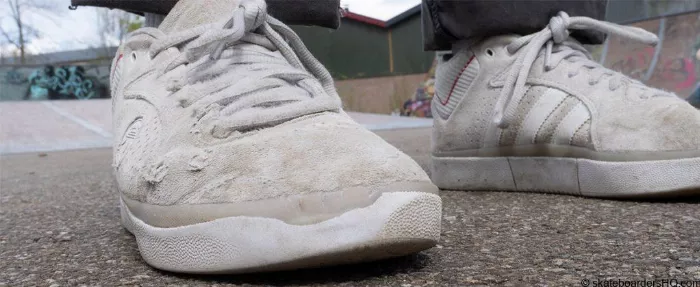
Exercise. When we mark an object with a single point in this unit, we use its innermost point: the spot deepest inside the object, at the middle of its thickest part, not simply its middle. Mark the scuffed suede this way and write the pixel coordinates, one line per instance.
(637, 118)
(188, 14)
(465, 127)
(196, 129)
(543, 116)
(544, 135)
(326, 152)
(510, 134)
(631, 118)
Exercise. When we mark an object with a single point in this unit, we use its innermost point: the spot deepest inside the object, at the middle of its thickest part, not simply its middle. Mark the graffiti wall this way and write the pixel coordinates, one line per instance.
(54, 82)
(674, 65)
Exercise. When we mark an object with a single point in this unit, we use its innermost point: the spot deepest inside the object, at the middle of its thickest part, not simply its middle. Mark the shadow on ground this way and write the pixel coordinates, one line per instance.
(379, 270)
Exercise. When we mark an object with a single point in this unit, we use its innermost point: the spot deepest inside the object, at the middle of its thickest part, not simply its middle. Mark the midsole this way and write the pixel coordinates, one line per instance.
(548, 150)
(297, 209)
(242, 244)
(567, 175)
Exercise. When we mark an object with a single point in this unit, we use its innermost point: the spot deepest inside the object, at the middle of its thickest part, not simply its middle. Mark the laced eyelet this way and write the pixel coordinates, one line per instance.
(592, 82)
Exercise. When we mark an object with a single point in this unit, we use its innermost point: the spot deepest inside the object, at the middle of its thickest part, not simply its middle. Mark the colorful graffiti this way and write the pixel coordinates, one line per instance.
(55, 83)
(420, 104)
(679, 71)
(62, 83)
(674, 65)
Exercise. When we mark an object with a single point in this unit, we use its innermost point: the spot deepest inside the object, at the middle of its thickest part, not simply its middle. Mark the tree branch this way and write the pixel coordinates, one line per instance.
(13, 7)
(39, 5)
(9, 38)
(30, 30)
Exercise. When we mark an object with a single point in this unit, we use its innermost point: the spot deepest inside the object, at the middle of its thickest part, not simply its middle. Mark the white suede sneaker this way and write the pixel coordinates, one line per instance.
(535, 113)
(232, 153)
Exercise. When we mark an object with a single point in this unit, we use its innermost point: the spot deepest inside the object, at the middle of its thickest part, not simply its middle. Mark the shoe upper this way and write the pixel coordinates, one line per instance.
(223, 103)
(543, 92)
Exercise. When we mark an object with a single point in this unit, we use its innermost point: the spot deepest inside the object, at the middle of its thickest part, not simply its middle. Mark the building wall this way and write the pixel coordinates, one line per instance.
(382, 95)
(410, 70)
(407, 48)
(361, 50)
(355, 50)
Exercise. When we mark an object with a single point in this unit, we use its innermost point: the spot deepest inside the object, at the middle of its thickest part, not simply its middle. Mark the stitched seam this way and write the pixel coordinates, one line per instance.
(436, 20)
(520, 124)
(454, 84)
(539, 129)
(579, 129)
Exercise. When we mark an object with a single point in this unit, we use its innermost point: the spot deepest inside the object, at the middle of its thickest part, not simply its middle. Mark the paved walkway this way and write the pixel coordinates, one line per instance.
(66, 125)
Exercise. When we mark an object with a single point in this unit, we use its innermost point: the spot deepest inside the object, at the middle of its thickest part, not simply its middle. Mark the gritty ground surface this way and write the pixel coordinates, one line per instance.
(59, 226)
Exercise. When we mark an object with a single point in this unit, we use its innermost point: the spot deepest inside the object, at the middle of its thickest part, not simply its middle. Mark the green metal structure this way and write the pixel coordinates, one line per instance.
(365, 48)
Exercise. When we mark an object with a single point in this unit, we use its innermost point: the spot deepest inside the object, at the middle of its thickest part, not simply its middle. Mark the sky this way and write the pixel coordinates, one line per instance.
(380, 9)
(77, 29)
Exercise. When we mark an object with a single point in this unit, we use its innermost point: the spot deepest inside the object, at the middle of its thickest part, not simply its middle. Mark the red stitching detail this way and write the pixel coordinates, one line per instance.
(456, 80)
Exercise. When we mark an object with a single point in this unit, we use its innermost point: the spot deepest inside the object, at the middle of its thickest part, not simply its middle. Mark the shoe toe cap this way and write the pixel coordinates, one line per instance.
(323, 153)
(662, 125)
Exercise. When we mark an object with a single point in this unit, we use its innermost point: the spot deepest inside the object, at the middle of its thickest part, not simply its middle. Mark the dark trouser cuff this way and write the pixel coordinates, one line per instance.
(448, 21)
(324, 13)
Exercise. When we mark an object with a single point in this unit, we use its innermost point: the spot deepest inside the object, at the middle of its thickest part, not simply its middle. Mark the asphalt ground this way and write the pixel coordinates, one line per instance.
(59, 226)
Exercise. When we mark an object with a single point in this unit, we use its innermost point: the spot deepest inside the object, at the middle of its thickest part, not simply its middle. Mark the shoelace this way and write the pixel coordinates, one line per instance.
(247, 70)
(557, 48)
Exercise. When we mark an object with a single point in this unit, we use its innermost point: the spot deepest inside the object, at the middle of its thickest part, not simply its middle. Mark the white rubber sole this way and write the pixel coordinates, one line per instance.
(621, 179)
(398, 223)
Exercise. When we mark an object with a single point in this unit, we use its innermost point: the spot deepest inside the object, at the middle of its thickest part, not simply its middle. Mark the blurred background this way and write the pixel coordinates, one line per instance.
(48, 52)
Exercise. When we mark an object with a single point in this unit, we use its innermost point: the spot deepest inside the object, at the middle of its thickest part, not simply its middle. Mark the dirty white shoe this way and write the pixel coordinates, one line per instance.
(232, 153)
(535, 113)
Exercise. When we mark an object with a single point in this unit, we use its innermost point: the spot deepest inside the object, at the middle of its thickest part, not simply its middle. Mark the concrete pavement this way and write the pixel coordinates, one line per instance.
(59, 225)
(30, 126)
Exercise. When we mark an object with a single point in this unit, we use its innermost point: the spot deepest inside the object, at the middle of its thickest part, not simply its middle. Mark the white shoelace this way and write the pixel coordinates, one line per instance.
(246, 70)
(557, 48)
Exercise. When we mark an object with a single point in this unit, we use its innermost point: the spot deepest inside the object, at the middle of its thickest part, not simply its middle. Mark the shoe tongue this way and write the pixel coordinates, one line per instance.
(188, 14)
